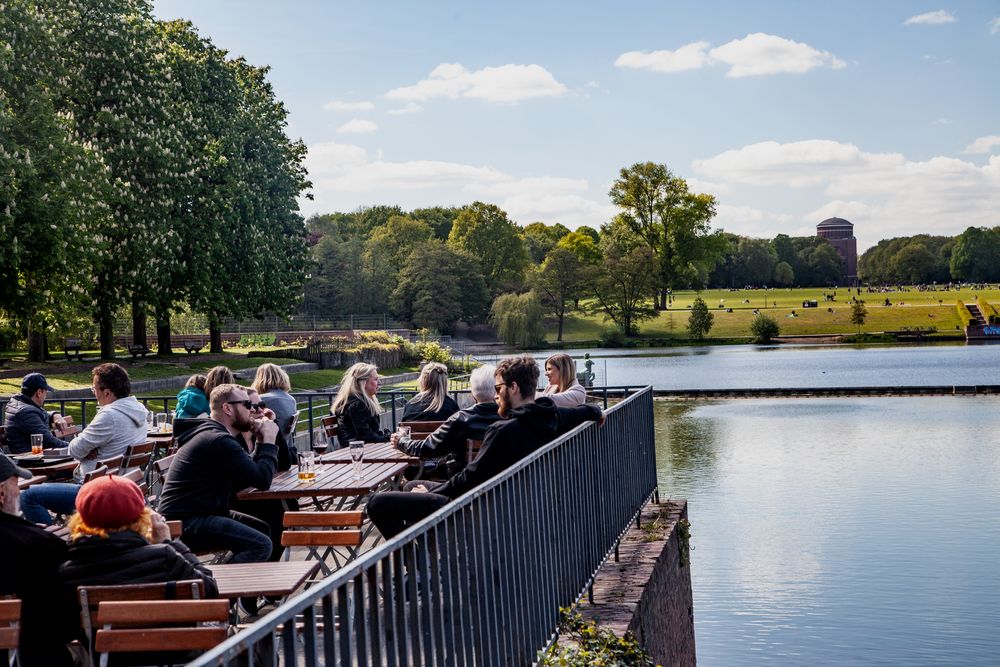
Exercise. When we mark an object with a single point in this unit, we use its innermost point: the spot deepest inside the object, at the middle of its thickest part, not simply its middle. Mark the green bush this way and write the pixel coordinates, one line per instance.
(256, 340)
(588, 644)
(964, 316)
(763, 328)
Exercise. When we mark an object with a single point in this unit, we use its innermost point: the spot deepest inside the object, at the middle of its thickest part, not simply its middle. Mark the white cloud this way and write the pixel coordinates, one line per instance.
(750, 221)
(411, 107)
(755, 55)
(507, 83)
(357, 126)
(327, 159)
(855, 211)
(337, 105)
(931, 18)
(690, 56)
(983, 145)
(995, 26)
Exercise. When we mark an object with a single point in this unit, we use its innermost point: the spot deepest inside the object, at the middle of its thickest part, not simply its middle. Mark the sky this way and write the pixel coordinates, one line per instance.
(885, 113)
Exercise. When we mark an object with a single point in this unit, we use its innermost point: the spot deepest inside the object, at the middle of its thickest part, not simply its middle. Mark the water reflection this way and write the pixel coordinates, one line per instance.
(839, 531)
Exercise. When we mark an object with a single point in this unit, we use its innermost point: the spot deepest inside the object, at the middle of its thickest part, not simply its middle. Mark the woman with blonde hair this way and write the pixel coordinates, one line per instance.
(564, 389)
(273, 385)
(355, 407)
(432, 404)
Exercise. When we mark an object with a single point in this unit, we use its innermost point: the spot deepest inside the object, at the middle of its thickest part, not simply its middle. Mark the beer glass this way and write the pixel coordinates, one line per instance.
(307, 466)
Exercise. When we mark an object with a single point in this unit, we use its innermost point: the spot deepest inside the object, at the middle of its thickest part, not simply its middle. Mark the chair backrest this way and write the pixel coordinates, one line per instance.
(126, 626)
(3, 440)
(472, 451)
(137, 476)
(299, 529)
(114, 463)
(329, 425)
(138, 456)
(10, 619)
(99, 471)
(176, 528)
(162, 466)
(68, 430)
(420, 430)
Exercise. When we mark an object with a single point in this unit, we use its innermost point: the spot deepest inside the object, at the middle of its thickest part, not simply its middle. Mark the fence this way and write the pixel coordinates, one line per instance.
(480, 581)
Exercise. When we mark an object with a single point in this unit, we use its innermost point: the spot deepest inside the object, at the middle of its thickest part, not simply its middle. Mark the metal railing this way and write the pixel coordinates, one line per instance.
(480, 581)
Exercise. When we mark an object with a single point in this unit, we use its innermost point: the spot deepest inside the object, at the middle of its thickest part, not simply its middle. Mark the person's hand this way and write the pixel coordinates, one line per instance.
(394, 439)
(604, 418)
(266, 430)
(419, 488)
(269, 413)
(58, 421)
(91, 456)
(160, 530)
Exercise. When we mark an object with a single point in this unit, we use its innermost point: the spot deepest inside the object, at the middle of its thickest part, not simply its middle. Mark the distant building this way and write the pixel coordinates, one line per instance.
(840, 234)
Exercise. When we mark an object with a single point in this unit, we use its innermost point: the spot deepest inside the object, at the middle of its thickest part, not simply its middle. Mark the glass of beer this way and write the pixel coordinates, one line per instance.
(307, 466)
(36, 443)
(357, 455)
(161, 422)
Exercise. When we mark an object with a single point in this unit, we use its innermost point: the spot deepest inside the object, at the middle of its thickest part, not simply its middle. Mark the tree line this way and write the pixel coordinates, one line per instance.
(972, 256)
(142, 170)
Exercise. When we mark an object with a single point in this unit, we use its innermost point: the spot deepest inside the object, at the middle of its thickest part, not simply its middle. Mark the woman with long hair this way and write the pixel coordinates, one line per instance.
(355, 407)
(432, 404)
(216, 376)
(273, 385)
(564, 389)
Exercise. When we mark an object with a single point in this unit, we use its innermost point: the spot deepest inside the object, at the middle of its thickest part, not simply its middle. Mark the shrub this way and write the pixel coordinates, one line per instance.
(763, 328)
(700, 320)
(588, 644)
(256, 340)
(964, 316)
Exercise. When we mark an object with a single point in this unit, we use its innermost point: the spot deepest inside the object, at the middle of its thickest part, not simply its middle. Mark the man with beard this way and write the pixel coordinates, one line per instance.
(527, 425)
(210, 464)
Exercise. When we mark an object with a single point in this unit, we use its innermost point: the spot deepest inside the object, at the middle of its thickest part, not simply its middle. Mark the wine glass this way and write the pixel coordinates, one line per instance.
(149, 421)
(403, 440)
(357, 455)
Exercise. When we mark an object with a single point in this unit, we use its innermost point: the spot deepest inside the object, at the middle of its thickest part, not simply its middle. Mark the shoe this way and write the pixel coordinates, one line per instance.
(249, 606)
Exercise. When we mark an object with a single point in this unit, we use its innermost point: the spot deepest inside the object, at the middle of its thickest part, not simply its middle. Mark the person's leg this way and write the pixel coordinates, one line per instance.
(38, 500)
(392, 512)
(244, 535)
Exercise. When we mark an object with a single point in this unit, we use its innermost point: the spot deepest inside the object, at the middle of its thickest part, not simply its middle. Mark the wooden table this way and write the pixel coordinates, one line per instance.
(240, 580)
(22, 484)
(332, 481)
(375, 452)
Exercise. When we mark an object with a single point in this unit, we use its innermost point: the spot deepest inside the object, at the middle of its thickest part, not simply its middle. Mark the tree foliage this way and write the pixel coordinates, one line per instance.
(624, 285)
(439, 285)
(700, 320)
(559, 281)
(485, 232)
(763, 328)
(518, 319)
(859, 313)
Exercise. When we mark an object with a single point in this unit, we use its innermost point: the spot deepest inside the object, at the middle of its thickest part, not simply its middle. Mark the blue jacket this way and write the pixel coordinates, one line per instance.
(23, 418)
(191, 403)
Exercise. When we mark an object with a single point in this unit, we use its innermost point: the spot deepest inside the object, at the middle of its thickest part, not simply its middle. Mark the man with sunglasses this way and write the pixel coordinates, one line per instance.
(211, 464)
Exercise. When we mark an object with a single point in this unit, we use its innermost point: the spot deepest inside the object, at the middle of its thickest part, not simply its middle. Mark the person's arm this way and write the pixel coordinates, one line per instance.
(570, 418)
(97, 433)
(573, 396)
(441, 441)
(487, 463)
(245, 471)
(182, 564)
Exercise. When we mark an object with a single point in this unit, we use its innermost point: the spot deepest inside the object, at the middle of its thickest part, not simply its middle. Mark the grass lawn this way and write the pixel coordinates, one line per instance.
(909, 309)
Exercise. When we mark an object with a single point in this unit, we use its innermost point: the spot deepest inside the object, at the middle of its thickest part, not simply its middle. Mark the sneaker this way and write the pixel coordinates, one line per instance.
(249, 606)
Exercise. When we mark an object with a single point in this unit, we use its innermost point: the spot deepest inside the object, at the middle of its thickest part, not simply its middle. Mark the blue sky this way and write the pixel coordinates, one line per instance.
(886, 113)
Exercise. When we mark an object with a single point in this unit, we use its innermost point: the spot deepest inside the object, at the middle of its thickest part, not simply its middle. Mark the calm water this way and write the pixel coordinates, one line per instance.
(840, 531)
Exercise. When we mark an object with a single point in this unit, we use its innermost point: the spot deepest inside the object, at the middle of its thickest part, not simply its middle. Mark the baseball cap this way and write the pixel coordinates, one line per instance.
(32, 382)
(10, 469)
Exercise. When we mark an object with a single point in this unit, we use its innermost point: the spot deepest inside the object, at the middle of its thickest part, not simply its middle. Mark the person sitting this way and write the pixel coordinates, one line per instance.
(25, 417)
(450, 439)
(355, 407)
(120, 422)
(192, 403)
(563, 388)
(29, 559)
(218, 375)
(209, 466)
(273, 385)
(526, 425)
(432, 403)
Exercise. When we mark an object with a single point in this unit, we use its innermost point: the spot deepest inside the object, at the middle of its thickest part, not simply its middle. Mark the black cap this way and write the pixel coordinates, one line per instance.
(32, 382)
(9, 469)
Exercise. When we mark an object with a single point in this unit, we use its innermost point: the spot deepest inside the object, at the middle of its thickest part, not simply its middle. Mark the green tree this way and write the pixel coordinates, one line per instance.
(784, 274)
(558, 282)
(539, 238)
(913, 264)
(763, 328)
(624, 285)
(439, 285)
(583, 245)
(518, 319)
(484, 232)
(859, 313)
(975, 256)
(438, 218)
(386, 249)
(672, 221)
(700, 320)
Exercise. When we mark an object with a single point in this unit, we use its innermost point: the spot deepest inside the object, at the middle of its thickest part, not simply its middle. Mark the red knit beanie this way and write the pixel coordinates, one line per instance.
(110, 502)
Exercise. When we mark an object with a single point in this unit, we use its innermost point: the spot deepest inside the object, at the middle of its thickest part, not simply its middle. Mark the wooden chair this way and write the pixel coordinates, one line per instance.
(176, 528)
(114, 463)
(136, 475)
(315, 530)
(330, 430)
(138, 456)
(420, 430)
(92, 596)
(10, 620)
(472, 451)
(161, 626)
(68, 430)
(157, 476)
(99, 471)
(3, 440)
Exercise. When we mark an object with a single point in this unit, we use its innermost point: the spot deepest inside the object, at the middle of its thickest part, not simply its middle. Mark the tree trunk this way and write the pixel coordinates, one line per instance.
(38, 346)
(214, 335)
(559, 337)
(138, 323)
(163, 345)
(106, 326)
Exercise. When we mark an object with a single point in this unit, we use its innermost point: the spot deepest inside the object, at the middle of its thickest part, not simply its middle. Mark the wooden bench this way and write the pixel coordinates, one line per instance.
(472, 451)
(72, 345)
(192, 347)
(313, 531)
(10, 620)
(138, 350)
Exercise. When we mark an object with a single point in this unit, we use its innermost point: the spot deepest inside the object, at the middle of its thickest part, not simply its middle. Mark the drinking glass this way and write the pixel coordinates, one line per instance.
(161, 422)
(307, 466)
(150, 419)
(357, 455)
(404, 437)
(36, 443)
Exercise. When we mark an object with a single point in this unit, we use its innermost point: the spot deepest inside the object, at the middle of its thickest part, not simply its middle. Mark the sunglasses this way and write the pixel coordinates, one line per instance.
(496, 387)
(258, 406)
(246, 403)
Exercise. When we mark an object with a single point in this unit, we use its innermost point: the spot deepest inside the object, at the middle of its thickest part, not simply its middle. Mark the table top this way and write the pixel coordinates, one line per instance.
(279, 579)
(375, 452)
(159, 434)
(334, 480)
(22, 484)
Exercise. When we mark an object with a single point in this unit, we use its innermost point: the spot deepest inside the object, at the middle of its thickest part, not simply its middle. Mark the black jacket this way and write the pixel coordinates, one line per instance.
(210, 466)
(418, 409)
(23, 418)
(126, 558)
(449, 440)
(356, 422)
(509, 440)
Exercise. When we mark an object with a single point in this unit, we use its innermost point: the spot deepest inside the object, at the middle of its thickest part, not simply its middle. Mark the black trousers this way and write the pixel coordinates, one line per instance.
(392, 512)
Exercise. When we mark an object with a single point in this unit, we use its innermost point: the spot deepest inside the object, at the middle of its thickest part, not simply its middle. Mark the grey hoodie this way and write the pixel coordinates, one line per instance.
(116, 426)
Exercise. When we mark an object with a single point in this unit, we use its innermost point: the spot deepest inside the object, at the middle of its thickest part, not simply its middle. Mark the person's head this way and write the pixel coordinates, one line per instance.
(10, 473)
(270, 377)
(257, 409)
(481, 384)
(232, 407)
(35, 387)
(110, 382)
(197, 381)
(516, 381)
(360, 381)
(107, 505)
(560, 370)
(434, 383)
(216, 376)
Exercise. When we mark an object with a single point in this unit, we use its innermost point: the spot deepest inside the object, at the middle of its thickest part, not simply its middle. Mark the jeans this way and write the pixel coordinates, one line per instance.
(392, 512)
(242, 534)
(38, 500)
